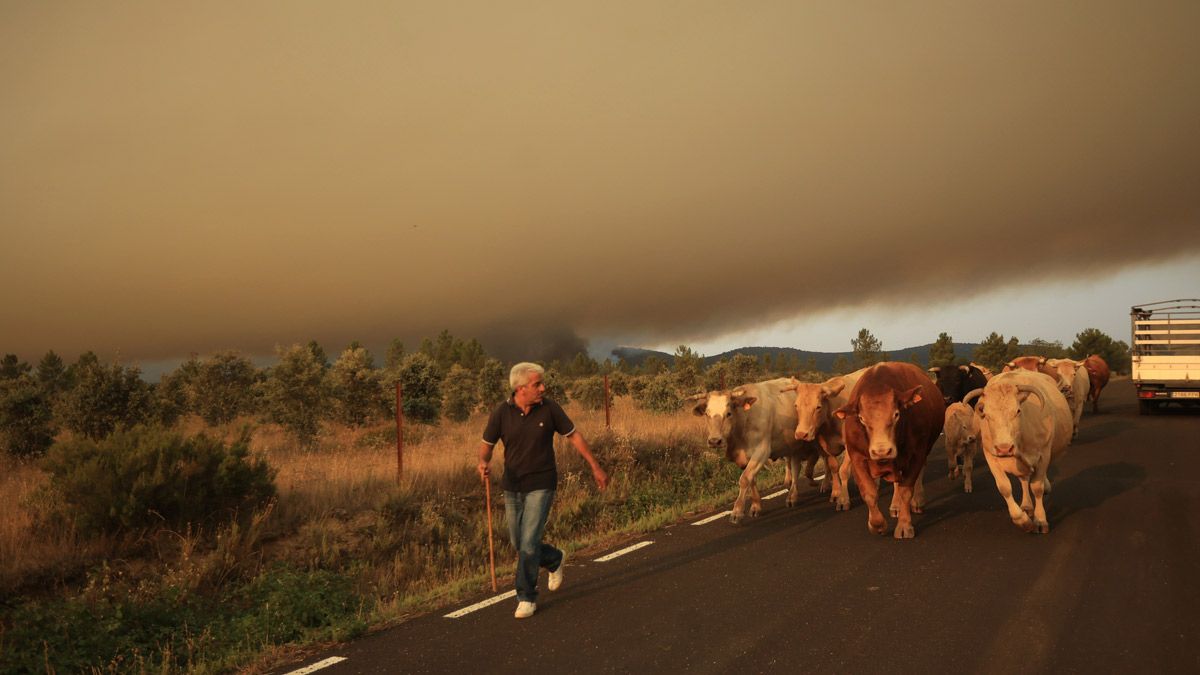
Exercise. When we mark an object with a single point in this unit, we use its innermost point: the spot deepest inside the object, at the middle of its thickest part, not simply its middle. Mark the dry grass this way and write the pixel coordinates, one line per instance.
(322, 491)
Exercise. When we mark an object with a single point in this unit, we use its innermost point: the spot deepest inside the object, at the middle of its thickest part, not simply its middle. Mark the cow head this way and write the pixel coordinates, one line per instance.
(720, 410)
(1065, 370)
(952, 381)
(812, 404)
(999, 411)
(879, 413)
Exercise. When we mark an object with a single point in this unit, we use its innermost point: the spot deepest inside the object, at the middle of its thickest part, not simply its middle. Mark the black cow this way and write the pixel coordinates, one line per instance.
(955, 382)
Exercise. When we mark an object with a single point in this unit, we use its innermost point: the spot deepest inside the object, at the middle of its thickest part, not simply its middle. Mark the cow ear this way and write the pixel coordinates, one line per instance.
(844, 411)
(833, 386)
(935, 370)
(700, 408)
(910, 397)
(747, 402)
(965, 369)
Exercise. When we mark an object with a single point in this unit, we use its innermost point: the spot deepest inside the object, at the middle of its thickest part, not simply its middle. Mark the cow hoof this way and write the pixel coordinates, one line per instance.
(841, 506)
(904, 532)
(1042, 527)
(966, 488)
(735, 518)
(1024, 522)
(879, 527)
(792, 502)
(754, 512)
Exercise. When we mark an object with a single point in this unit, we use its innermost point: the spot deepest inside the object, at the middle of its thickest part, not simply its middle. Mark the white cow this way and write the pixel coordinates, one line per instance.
(1025, 423)
(962, 440)
(1077, 385)
(815, 420)
(754, 423)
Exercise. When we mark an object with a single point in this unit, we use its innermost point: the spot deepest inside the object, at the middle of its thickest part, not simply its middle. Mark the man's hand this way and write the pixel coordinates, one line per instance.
(484, 470)
(601, 478)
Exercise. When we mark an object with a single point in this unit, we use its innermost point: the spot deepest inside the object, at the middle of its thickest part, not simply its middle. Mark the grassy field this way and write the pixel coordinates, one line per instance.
(343, 549)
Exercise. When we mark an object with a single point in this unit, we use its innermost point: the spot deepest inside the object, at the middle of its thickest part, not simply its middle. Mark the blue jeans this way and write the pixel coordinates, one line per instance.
(526, 514)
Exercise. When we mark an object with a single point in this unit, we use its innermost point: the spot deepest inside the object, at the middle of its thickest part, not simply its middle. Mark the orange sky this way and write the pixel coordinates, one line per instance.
(179, 179)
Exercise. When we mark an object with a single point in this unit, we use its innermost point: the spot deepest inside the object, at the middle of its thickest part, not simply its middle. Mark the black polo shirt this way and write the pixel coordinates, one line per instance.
(528, 443)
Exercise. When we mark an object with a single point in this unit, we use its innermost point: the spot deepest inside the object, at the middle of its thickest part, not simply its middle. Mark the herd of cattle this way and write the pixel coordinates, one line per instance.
(881, 422)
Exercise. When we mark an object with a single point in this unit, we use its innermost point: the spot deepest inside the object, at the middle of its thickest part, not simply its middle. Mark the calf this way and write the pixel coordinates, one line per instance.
(754, 423)
(962, 441)
(894, 416)
(1025, 424)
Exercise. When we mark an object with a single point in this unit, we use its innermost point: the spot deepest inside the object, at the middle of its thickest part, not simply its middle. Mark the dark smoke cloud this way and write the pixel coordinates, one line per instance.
(529, 176)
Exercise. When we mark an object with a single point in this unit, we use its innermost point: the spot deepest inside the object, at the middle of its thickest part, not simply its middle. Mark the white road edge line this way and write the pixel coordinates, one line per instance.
(773, 495)
(480, 605)
(628, 549)
(712, 518)
(318, 665)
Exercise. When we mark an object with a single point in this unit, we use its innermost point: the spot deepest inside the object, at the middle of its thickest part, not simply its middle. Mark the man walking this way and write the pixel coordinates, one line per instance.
(527, 423)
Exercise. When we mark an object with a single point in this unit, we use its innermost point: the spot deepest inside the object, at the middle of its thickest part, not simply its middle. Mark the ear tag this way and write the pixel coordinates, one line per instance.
(745, 406)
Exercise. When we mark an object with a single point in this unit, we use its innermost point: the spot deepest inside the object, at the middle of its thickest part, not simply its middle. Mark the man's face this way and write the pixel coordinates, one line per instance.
(532, 391)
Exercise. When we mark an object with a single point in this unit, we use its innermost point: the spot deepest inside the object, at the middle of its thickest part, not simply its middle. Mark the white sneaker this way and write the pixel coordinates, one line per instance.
(556, 577)
(525, 609)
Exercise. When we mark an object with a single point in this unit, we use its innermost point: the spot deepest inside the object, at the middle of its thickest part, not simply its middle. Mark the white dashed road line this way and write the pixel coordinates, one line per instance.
(628, 549)
(480, 605)
(318, 665)
(712, 518)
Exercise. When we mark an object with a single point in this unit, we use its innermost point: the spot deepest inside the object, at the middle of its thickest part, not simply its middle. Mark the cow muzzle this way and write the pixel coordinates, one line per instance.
(805, 435)
(716, 442)
(1004, 450)
(882, 453)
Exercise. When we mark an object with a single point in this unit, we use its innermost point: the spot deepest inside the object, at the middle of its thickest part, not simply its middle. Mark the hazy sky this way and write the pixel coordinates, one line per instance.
(185, 177)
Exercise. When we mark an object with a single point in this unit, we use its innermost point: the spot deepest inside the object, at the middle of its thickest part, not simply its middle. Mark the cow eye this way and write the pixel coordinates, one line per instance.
(862, 421)
(895, 415)
(728, 413)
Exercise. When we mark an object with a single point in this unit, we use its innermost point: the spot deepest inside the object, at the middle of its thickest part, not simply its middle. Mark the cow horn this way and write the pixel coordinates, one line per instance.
(739, 393)
(972, 395)
(1032, 390)
(696, 397)
(790, 387)
(935, 369)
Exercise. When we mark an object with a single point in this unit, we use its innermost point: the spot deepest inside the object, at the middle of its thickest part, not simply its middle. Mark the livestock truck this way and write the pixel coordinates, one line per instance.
(1166, 353)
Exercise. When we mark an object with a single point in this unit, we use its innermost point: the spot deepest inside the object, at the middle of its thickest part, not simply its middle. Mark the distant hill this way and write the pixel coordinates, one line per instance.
(635, 356)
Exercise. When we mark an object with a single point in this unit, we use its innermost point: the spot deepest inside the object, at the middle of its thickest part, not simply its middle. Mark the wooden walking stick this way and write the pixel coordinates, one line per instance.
(487, 489)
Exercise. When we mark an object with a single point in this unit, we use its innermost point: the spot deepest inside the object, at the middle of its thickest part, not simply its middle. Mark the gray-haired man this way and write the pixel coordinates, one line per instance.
(526, 423)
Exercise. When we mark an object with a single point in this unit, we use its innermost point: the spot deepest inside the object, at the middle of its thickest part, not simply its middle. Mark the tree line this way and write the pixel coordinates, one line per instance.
(445, 378)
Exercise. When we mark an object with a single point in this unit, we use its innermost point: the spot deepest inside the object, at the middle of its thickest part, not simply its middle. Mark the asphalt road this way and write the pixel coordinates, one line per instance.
(1112, 588)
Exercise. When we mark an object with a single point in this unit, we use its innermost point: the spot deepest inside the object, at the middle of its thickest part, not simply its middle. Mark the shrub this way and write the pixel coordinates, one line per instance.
(660, 395)
(104, 398)
(147, 476)
(223, 387)
(295, 392)
(589, 392)
(26, 417)
(493, 384)
(460, 388)
(422, 387)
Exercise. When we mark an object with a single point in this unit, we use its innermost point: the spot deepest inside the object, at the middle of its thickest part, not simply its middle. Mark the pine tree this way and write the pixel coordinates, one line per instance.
(460, 390)
(492, 382)
(867, 349)
(295, 392)
(356, 389)
(941, 352)
(223, 387)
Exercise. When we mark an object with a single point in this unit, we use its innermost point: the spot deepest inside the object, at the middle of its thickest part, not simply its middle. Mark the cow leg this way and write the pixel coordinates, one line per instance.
(745, 488)
(917, 498)
(870, 493)
(904, 525)
(894, 507)
(1018, 516)
(1026, 497)
(755, 500)
(794, 487)
(840, 492)
(1041, 523)
(968, 467)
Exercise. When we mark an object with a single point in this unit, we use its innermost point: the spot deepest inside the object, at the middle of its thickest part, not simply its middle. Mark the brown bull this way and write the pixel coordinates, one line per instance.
(893, 418)
(1098, 374)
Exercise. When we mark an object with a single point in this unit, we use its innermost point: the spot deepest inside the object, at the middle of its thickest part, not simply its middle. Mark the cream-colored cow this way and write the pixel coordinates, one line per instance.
(1076, 388)
(815, 420)
(1025, 423)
